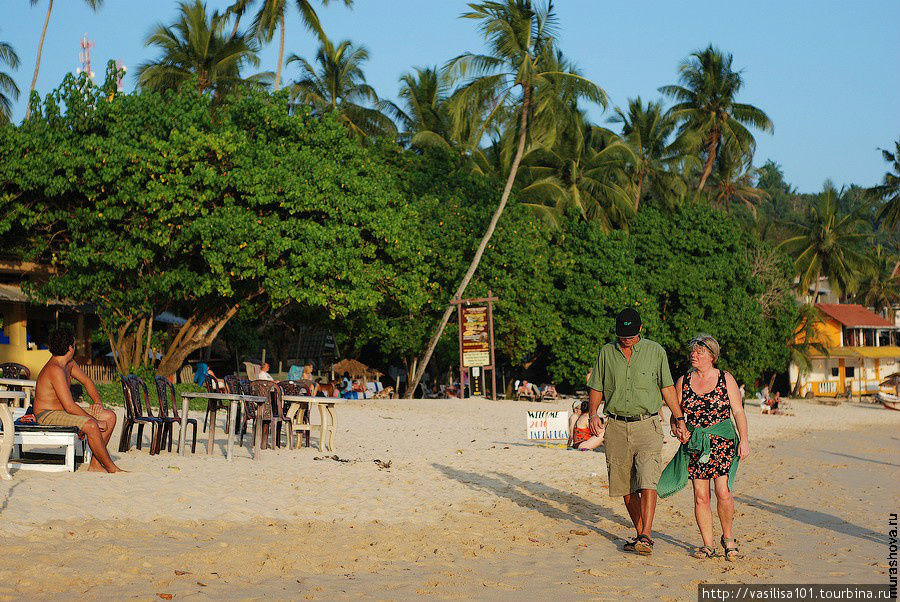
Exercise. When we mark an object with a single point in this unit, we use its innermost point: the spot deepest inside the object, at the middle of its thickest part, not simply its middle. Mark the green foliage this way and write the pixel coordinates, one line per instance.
(156, 203)
(453, 206)
(695, 265)
(9, 91)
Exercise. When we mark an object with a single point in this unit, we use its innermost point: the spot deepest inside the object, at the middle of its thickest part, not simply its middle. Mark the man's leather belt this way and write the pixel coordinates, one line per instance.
(632, 418)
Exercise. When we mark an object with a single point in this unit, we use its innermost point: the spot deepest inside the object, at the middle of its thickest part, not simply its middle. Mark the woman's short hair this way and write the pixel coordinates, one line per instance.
(585, 406)
(708, 342)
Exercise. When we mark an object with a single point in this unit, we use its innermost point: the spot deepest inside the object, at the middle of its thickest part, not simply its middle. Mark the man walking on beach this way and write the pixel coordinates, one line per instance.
(628, 378)
(53, 403)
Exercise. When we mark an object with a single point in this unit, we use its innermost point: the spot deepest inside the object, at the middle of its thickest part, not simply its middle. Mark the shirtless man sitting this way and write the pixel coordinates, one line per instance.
(54, 406)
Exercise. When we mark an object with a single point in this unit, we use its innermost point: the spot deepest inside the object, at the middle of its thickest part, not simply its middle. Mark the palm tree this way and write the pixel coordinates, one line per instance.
(9, 91)
(338, 85)
(272, 14)
(585, 171)
(649, 131)
(424, 119)
(521, 65)
(706, 105)
(93, 4)
(805, 341)
(880, 284)
(195, 46)
(889, 189)
(733, 179)
(827, 244)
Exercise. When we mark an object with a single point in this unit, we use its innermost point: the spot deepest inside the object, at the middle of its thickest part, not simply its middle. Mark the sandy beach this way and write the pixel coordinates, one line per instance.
(466, 509)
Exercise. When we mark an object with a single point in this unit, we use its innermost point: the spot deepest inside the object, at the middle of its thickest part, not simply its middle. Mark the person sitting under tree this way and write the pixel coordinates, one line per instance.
(54, 406)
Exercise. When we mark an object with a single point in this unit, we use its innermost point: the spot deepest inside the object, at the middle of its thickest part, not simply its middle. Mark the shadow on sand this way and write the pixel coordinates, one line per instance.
(813, 518)
(860, 458)
(544, 499)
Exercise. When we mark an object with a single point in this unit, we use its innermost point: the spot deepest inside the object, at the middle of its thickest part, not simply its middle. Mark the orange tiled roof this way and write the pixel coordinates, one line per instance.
(854, 315)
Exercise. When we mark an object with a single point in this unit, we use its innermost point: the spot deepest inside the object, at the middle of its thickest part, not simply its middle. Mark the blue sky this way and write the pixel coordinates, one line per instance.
(826, 71)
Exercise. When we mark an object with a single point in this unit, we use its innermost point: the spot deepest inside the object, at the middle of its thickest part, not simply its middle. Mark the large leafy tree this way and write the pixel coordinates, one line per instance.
(706, 106)
(9, 91)
(337, 84)
(650, 133)
(696, 264)
(165, 205)
(827, 243)
(196, 47)
(889, 189)
(521, 63)
(733, 180)
(93, 4)
(272, 15)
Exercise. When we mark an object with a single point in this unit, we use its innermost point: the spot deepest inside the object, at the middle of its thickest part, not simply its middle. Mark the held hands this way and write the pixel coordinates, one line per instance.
(596, 425)
(743, 449)
(680, 430)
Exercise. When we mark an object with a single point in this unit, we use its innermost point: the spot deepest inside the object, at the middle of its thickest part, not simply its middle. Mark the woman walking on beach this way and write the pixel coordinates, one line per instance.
(709, 397)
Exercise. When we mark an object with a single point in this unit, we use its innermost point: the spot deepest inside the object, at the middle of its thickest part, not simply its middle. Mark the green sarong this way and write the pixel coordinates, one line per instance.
(675, 475)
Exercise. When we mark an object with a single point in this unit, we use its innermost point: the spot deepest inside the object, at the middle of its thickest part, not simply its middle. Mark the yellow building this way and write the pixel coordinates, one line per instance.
(863, 349)
(25, 322)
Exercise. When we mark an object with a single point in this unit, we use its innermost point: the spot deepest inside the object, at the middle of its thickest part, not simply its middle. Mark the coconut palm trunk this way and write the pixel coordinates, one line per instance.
(37, 63)
(510, 179)
(280, 56)
(707, 169)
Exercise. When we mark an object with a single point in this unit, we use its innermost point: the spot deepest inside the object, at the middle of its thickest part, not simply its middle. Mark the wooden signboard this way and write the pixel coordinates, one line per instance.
(476, 343)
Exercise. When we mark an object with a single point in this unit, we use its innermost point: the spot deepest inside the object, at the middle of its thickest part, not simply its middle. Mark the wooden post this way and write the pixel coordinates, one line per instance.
(462, 383)
(491, 335)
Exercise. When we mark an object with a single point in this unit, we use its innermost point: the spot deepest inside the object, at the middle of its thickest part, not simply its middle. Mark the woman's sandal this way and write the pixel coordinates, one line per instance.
(643, 545)
(704, 552)
(629, 545)
(732, 552)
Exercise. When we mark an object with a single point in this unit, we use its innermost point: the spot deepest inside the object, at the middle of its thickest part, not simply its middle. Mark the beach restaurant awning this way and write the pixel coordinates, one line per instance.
(887, 351)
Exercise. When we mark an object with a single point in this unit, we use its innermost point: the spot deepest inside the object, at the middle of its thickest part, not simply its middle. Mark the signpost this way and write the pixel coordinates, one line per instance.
(476, 343)
(547, 426)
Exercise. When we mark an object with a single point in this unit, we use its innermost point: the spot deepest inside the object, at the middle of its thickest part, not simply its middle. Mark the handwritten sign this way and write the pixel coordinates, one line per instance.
(475, 343)
(543, 425)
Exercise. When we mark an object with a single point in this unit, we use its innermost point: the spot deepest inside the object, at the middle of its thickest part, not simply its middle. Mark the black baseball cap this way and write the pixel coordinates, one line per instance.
(628, 323)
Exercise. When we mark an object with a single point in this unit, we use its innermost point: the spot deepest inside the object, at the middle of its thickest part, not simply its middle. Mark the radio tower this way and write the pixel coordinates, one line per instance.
(85, 56)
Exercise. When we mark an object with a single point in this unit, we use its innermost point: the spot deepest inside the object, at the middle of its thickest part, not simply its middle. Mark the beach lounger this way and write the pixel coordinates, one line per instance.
(50, 436)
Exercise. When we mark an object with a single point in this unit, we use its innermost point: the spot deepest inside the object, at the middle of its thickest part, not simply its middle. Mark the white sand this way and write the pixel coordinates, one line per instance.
(467, 508)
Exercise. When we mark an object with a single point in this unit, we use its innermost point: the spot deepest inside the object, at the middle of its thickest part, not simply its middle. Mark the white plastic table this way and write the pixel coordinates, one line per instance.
(326, 407)
(232, 400)
(26, 385)
(6, 445)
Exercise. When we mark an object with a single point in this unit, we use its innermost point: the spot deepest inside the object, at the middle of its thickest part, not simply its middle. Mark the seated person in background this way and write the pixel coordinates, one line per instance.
(774, 405)
(264, 372)
(54, 406)
(580, 436)
(549, 392)
(525, 391)
(307, 372)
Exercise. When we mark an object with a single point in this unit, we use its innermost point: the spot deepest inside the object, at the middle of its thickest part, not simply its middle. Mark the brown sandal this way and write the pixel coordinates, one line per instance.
(731, 553)
(643, 545)
(704, 552)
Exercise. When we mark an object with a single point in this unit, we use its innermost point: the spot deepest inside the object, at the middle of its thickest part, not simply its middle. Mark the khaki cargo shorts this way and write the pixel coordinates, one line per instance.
(633, 455)
(63, 418)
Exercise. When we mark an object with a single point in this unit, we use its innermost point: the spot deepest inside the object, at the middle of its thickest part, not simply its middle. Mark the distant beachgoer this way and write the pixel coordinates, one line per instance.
(526, 390)
(264, 372)
(631, 378)
(580, 436)
(54, 406)
(774, 405)
(709, 398)
(307, 372)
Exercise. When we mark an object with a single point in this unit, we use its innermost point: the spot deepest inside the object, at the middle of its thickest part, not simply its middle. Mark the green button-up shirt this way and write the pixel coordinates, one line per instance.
(631, 388)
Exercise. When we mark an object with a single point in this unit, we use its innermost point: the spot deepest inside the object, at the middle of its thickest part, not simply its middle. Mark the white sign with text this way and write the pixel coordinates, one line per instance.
(544, 426)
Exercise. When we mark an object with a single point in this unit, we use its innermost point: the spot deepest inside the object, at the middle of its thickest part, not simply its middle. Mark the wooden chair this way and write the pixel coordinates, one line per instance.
(134, 415)
(298, 413)
(272, 413)
(165, 393)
